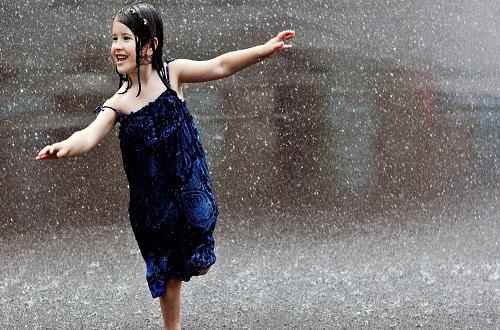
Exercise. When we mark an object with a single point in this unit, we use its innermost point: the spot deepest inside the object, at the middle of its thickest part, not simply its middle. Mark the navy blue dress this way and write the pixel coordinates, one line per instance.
(172, 207)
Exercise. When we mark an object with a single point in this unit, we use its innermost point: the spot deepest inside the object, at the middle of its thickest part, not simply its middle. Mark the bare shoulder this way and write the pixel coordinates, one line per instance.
(118, 101)
(178, 63)
(174, 67)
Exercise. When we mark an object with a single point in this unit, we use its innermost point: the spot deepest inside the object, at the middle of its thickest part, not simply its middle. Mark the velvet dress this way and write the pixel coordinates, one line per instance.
(172, 207)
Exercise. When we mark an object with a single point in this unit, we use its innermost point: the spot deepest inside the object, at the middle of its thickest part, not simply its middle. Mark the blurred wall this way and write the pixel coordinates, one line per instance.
(376, 104)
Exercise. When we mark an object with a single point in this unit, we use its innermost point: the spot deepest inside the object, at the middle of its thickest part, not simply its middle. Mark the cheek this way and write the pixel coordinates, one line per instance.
(131, 51)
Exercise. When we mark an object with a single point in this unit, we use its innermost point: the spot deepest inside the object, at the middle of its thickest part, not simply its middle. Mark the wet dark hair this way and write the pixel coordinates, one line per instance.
(146, 24)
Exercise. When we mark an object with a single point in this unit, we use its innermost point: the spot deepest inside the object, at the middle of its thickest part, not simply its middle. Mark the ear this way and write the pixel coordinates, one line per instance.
(150, 47)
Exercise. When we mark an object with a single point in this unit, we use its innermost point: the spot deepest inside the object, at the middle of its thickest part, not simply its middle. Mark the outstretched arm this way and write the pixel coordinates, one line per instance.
(81, 141)
(188, 71)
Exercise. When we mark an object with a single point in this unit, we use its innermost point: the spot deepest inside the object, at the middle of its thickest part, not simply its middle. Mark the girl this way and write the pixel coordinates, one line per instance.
(172, 208)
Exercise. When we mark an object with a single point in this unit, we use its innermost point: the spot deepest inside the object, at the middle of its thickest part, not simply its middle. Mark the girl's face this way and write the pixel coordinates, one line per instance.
(123, 48)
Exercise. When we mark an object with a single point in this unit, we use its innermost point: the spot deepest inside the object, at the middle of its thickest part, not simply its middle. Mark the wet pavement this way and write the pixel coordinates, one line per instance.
(430, 265)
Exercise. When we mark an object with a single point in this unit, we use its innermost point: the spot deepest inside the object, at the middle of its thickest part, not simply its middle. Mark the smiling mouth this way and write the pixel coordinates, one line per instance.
(121, 58)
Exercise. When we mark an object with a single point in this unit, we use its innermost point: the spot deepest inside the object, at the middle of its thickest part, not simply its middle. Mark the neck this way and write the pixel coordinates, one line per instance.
(146, 72)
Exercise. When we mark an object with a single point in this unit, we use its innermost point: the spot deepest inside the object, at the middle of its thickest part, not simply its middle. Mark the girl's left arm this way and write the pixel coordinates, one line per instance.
(188, 71)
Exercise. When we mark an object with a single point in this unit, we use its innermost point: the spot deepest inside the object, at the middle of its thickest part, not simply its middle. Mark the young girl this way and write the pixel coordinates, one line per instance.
(172, 207)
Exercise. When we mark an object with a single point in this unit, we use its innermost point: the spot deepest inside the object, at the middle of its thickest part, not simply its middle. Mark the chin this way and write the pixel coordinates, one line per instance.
(120, 71)
(124, 69)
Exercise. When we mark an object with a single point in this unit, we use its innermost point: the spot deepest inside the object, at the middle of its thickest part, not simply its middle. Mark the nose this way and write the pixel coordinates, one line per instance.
(116, 45)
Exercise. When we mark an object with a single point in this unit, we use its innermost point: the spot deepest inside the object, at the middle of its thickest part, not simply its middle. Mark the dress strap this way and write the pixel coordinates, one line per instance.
(102, 107)
(165, 65)
(106, 106)
(166, 69)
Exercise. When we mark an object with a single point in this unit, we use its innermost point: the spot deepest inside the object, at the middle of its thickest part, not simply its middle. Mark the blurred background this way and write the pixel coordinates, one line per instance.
(376, 104)
(379, 107)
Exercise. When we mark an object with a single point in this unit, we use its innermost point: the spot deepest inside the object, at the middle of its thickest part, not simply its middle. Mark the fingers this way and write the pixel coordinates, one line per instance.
(280, 45)
(52, 151)
(62, 153)
(43, 153)
(286, 35)
(281, 38)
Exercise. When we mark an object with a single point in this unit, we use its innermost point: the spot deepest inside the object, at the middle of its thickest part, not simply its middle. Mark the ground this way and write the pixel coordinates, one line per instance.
(431, 265)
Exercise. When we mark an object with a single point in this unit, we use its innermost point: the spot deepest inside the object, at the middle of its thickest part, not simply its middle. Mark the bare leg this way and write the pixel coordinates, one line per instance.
(170, 304)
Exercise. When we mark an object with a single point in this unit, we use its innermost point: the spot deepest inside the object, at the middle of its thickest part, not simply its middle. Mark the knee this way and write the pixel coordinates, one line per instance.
(174, 284)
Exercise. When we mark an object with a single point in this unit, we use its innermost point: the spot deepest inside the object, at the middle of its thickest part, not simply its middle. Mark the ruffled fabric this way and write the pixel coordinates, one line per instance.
(153, 124)
(172, 208)
(159, 269)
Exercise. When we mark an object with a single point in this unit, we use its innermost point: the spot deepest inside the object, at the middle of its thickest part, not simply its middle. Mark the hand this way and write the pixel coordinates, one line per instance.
(54, 151)
(277, 43)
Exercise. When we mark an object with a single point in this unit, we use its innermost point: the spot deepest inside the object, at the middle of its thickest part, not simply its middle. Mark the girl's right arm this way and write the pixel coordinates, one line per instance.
(81, 141)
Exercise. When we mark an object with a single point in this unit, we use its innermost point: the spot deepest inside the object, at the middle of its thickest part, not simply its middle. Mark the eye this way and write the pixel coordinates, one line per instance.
(127, 38)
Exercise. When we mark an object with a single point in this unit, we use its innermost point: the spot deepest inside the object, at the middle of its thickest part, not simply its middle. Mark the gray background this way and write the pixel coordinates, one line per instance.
(356, 172)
